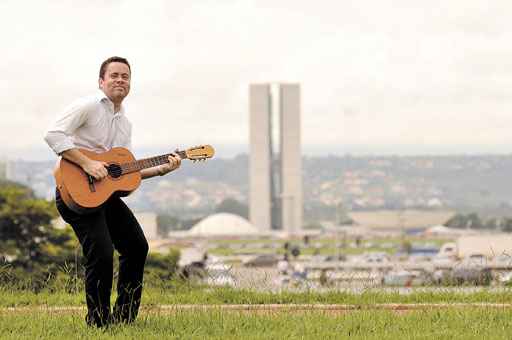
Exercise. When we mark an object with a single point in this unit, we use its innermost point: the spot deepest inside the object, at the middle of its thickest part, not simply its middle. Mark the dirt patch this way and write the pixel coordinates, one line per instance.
(268, 308)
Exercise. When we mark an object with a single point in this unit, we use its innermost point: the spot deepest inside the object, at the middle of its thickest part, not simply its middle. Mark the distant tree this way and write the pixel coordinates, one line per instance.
(470, 221)
(306, 240)
(189, 223)
(286, 247)
(166, 223)
(506, 225)
(25, 224)
(160, 268)
(324, 281)
(359, 240)
(346, 220)
(295, 251)
(492, 224)
(232, 206)
(342, 216)
(313, 225)
(475, 222)
(406, 246)
(457, 221)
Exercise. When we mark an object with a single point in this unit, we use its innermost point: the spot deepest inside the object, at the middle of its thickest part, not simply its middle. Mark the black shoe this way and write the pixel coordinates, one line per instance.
(96, 321)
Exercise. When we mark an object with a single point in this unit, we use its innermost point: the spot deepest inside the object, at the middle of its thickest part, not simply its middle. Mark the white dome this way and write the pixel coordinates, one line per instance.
(439, 229)
(223, 224)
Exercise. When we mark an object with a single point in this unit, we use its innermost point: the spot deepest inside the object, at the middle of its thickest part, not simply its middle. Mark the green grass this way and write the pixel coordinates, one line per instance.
(153, 296)
(471, 323)
(152, 323)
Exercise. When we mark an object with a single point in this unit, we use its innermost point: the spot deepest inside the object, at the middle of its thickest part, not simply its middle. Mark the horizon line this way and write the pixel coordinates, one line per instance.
(228, 151)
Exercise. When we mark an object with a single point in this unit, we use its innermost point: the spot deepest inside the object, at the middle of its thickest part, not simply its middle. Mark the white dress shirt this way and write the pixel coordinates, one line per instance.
(90, 123)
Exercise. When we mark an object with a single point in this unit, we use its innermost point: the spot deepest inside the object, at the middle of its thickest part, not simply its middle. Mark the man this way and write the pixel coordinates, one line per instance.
(98, 123)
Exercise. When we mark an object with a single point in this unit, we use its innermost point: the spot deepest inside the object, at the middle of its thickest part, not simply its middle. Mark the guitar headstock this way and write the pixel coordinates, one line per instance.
(198, 153)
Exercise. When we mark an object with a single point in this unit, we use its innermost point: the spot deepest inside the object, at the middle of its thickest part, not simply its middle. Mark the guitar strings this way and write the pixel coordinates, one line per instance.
(120, 169)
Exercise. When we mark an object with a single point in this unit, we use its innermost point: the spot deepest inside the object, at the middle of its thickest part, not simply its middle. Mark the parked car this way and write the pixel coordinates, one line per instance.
(376, 258)
(330, 258)
(219, 274)
(476, 259)
(264, 260)
(505, 278)
(503, 259)
(448, 250)
(405, 278)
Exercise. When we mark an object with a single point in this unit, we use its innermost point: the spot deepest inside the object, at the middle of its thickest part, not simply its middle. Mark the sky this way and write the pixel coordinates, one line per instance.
(377, 77)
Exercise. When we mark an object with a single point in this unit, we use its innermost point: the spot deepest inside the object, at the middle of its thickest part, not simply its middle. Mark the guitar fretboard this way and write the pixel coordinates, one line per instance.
(149, 162)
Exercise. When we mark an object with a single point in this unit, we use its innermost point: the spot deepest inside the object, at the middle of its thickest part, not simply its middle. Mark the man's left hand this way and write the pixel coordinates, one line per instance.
(174, 163)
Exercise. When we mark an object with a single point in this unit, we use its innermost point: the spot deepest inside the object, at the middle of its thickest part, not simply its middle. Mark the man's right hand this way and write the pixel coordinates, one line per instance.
(96, 169)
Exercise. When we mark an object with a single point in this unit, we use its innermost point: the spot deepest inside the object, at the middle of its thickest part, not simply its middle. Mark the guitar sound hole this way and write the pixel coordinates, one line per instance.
(114, 171)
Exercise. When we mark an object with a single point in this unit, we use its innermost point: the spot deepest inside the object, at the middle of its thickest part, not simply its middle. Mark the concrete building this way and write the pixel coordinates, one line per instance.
(275, 168)
(148, 223)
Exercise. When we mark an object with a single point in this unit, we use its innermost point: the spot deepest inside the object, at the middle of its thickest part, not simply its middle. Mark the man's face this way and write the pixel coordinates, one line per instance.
(116, 81)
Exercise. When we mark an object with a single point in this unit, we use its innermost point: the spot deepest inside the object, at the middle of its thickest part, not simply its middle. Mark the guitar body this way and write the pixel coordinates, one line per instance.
(80, 195)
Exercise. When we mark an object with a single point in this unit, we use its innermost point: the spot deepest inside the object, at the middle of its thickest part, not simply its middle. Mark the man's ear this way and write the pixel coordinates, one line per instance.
(100, 83)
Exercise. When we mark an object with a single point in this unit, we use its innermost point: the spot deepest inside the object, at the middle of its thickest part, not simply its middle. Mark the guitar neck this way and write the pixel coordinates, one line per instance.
(146, 163)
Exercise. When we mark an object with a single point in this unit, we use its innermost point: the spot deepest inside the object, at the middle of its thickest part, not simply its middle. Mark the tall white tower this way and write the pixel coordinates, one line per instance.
(260, 157)
(291, 161)
(275, 169)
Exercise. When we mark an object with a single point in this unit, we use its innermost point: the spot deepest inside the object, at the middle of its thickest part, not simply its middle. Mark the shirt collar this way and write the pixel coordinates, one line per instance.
(102, 97)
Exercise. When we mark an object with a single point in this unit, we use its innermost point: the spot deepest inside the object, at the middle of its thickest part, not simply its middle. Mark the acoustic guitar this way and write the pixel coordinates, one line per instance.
(82, 193)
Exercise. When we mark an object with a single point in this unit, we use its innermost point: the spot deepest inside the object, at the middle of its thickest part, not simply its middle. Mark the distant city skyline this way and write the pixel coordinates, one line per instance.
(377, 77)
(42, 153)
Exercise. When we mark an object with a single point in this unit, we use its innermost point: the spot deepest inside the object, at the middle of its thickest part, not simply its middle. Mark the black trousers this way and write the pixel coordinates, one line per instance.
(111, 227)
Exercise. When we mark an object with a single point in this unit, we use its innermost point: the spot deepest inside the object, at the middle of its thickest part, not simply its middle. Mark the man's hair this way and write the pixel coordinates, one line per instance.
(114, 59)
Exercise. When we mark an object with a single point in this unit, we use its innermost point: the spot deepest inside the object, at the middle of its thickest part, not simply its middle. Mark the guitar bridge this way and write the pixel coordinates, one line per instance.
(91, 183)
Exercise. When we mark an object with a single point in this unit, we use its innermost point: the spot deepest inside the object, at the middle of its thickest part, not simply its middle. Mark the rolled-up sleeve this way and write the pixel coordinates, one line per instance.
(58, 135)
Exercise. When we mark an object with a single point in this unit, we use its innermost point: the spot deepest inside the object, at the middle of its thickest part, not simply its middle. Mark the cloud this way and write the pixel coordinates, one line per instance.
(386, 72)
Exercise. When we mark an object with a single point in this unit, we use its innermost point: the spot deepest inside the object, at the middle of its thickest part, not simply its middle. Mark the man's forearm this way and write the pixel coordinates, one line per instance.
(151, 172)
(159, 170)
(75, 156)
